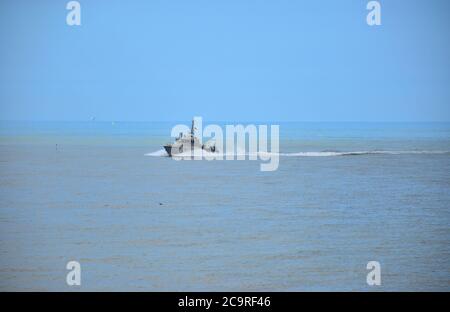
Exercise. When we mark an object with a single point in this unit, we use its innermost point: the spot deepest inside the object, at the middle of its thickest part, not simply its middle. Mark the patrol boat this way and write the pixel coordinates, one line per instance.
(188, 143)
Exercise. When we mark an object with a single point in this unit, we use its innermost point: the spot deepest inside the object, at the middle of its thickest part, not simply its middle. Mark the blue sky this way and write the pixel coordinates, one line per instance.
(230, 60)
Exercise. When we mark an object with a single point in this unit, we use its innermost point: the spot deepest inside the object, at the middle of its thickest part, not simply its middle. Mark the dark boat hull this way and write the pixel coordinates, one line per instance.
(175, 149)
(169, 149)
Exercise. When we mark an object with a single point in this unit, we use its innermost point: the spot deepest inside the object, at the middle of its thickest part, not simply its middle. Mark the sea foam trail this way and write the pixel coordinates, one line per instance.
(163, 153)
(196, 152)
(359, 153)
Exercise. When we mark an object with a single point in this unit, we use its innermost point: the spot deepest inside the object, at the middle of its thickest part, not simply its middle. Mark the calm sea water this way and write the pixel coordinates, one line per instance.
(88, 192)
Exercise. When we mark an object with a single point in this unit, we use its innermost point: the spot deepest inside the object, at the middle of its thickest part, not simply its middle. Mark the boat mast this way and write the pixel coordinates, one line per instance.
(192, 134)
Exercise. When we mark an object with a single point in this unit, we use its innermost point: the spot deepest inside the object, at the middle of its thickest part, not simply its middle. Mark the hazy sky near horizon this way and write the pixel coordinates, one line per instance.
(225, 60)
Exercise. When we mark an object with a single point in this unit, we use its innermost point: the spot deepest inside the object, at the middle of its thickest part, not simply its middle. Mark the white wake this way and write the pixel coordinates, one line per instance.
(203, 153)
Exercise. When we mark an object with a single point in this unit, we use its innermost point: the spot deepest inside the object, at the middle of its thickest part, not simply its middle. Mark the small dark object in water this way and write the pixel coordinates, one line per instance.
(160, 204)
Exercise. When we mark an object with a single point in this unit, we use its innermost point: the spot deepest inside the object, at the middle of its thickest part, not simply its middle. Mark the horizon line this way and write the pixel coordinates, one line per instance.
(232, 121)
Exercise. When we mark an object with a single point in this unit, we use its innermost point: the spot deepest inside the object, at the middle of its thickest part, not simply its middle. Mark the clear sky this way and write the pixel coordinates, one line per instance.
(163, 60)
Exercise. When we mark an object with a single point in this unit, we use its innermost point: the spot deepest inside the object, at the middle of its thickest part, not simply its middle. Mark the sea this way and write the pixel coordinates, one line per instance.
(105, 194)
